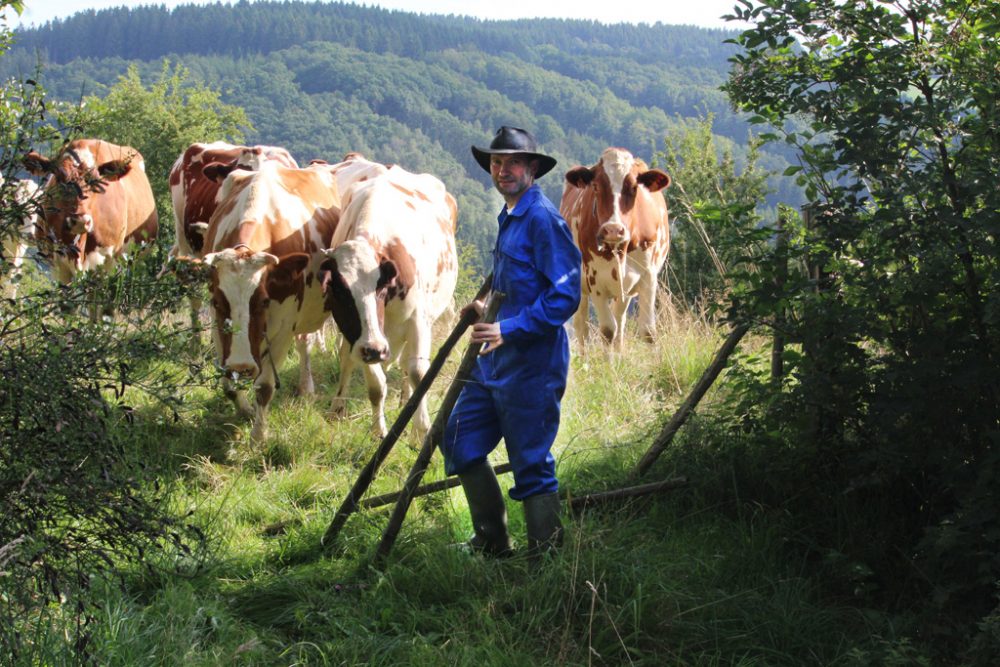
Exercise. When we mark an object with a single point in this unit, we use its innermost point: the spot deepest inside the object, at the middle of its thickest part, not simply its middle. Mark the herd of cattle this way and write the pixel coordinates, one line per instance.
(284, 247)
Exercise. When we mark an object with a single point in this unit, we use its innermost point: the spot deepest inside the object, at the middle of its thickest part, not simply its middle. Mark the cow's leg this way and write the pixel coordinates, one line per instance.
(195, 304)
(264, 393)
(581, 321)
(238, 397)
(620, 313)
(375, 381)
(605, 318)
(306, 386)
(338, 406)
(264, 385)
(647, 306)
(14, 250)
(417, 363)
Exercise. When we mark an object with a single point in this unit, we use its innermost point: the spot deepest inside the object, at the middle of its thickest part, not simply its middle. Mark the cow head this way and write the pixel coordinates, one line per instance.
(356, 283)
(73, 184)
(615, 181)
(243, 283)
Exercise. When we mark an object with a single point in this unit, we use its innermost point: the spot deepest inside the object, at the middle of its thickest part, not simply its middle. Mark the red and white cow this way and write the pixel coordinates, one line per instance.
(22, 203)
(390, 274)
(264, 244)
(619, 221)
(195, 196)
(354, 168)
(97, 204)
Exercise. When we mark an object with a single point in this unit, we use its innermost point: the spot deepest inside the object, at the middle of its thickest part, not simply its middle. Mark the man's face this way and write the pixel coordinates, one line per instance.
(512, 174)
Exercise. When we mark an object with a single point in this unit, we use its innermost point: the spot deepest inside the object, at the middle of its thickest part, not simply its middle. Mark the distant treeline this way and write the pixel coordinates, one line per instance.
(326, 78)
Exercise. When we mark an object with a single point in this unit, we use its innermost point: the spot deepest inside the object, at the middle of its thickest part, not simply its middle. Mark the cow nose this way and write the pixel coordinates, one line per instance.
(243, 369)
(78, 224)
(373, 355)
(613, 234)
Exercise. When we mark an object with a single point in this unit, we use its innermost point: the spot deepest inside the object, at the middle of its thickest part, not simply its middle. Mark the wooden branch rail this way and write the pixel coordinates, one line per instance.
(431, 440)
(575, 503)
(352, 501)
(578, 503)
(426, 489)
(699, 391)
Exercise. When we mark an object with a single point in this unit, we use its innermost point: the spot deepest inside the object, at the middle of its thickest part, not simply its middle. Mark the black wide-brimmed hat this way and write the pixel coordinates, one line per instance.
(511, 140)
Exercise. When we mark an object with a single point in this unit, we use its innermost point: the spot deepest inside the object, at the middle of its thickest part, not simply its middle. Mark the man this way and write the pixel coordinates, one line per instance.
(518, 382)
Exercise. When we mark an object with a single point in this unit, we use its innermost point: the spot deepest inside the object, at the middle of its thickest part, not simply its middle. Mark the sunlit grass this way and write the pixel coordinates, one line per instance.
(649, 581)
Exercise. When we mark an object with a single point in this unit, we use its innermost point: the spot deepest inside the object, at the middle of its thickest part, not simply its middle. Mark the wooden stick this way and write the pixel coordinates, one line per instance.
(426, 489)
(432, 439)
(575, 503)
(780, 278)
(351, 502)
(579, 503)
(706, 380)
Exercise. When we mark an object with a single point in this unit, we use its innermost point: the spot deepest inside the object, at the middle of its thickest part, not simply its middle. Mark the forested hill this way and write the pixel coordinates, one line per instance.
(326, 78)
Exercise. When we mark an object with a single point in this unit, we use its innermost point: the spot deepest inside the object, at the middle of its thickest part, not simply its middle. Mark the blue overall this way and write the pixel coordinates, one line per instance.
(515, 390)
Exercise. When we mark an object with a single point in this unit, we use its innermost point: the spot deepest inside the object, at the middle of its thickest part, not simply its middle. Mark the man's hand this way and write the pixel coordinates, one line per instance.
(487, 333)
(476, 306)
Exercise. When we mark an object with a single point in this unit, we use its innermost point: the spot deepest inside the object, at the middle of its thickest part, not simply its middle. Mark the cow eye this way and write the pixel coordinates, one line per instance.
(73, 189)
(265, 302)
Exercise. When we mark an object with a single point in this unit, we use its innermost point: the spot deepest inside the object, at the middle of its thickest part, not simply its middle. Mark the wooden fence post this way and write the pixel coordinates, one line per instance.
(700, 388)
(780, 278)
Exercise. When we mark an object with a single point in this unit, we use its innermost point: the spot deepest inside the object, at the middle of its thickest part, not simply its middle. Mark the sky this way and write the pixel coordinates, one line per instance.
(703, 13)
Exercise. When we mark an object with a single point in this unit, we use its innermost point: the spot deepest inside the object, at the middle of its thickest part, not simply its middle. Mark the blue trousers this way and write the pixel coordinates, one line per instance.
(524, 414)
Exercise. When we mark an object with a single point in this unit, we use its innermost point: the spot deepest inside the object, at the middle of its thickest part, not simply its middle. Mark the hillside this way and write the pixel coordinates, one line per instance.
(324, 79)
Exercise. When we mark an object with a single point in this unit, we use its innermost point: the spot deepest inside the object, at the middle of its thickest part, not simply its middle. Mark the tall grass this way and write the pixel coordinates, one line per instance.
(658, 580)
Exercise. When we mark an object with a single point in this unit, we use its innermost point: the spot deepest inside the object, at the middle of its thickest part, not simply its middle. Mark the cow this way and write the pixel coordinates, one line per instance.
(619, 221)
(264, 244)
(97, 205)
(353, 168)
(22, 205)
(389, 275)
(195, 196)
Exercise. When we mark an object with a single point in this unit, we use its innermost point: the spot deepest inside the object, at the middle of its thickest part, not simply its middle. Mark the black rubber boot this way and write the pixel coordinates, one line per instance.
(541, 519)
(489, 513)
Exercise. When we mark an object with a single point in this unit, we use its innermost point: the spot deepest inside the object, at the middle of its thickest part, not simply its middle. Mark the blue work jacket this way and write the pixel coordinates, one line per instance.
(537, 266)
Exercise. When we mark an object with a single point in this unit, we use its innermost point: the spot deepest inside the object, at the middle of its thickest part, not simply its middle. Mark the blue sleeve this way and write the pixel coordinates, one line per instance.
(558, 260)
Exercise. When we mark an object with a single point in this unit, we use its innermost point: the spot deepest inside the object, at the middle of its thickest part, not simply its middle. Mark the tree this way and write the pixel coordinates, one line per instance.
(898, 142)
(77, 502)
(161, 121)
(713, 211)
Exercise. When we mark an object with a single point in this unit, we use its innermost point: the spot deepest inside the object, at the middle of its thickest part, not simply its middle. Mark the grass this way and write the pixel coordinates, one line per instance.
(656, 580)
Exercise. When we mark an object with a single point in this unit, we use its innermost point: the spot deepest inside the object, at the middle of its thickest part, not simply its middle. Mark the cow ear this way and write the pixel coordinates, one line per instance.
(329, 264)
(188, 270)
(654, 180)
(114, 170)
(580, 177)
(36, 164)
(387, 273)
(217, 171)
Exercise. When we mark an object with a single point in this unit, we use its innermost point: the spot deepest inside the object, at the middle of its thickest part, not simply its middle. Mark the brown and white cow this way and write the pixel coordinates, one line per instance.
(97, 204)
(21, 201)
(264, 244)
(354, 168)
(195, 196)
(390, 274)
(619, 221)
